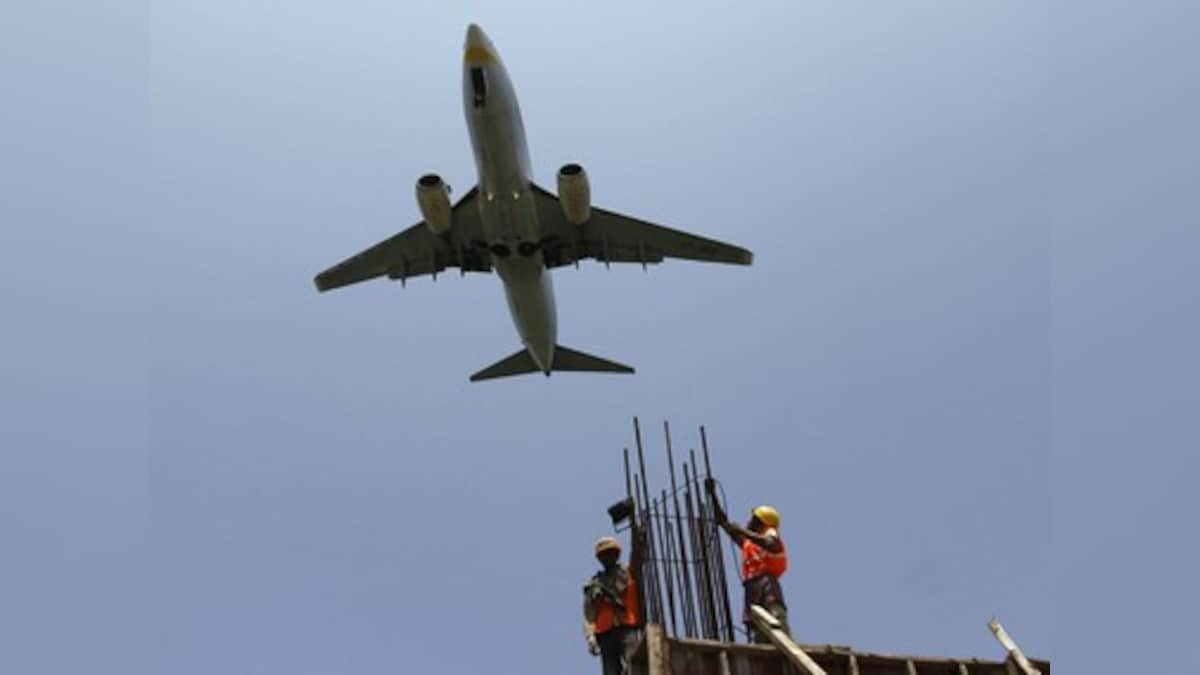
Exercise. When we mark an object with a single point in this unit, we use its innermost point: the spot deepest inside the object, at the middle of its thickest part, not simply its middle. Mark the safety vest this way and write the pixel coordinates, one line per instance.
(609, 616)
(757, 561)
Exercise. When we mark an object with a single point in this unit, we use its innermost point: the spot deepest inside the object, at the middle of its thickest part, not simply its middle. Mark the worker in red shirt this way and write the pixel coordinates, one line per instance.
(764, 560)
(611, 616)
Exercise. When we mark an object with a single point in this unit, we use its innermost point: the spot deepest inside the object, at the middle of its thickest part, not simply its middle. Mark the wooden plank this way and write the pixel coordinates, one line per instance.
(910, 667)
(1014, 652)
(853, 664)
(962, 669)
(770, 625)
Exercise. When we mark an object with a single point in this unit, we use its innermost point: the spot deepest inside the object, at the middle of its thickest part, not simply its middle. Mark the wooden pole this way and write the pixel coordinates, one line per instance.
(1014, 652)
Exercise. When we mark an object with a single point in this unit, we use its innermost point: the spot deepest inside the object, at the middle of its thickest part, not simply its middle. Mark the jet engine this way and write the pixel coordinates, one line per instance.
(433, 197)
(574, 194)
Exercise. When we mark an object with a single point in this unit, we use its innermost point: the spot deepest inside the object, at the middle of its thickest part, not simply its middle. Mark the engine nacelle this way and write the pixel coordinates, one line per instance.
(574, 194)
(433, 198)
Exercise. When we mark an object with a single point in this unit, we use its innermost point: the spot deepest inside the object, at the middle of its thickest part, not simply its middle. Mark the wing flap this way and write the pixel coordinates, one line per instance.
(417, 251)
(625, 239)
(608, 236)
(404, 255)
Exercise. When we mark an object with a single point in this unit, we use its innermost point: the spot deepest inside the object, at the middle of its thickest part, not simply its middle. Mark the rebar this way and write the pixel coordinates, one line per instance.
(689, 619)
(703, 577)
(722, 585)
(646, 583)
(654, 579)
(682, 583)
(665, 547)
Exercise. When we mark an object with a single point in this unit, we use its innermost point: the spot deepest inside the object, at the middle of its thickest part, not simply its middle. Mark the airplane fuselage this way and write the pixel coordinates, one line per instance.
(506, 205)
(510, 225)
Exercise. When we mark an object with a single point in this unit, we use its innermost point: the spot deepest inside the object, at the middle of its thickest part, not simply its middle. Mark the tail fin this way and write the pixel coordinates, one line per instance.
(564, 360)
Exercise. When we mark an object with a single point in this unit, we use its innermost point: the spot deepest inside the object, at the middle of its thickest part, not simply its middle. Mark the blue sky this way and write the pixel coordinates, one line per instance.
(210, 468)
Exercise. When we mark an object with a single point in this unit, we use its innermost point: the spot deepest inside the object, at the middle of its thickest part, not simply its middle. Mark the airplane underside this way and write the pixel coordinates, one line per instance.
(510, 225)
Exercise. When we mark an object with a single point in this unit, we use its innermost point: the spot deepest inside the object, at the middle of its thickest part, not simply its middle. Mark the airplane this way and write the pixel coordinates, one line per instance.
(510, 224)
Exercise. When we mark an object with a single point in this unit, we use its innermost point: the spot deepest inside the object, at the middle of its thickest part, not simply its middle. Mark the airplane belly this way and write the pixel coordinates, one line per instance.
(507, 210)
(509, 218)
(530, 295)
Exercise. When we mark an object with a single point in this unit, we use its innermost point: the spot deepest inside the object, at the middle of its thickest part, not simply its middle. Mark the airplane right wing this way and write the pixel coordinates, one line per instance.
(612, 237)
(417, 251)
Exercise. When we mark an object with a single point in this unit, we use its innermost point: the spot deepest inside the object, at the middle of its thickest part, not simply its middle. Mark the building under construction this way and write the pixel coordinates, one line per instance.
(688, 614)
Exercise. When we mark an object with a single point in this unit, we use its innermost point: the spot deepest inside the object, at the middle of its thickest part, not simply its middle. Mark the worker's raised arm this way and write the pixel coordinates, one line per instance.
(736, 533)
(740, 534)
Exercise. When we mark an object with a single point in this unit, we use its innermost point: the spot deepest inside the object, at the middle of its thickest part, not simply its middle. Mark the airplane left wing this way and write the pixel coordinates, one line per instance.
(612, 237)
(418, 251)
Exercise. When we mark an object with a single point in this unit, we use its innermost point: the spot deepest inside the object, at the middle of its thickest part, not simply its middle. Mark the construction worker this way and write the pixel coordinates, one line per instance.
(764, 560)
(611, 615)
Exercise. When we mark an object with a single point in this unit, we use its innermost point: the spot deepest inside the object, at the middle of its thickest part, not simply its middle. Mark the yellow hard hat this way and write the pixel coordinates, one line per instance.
(767, 515)
(607, 544)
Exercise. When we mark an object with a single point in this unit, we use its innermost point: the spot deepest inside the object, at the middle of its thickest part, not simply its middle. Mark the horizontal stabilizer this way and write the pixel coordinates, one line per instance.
(569, 359)
(517, 364)
(564, 360)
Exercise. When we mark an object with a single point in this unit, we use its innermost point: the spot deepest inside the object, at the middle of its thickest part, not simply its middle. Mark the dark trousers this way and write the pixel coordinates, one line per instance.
(765, 592)
(616, 649)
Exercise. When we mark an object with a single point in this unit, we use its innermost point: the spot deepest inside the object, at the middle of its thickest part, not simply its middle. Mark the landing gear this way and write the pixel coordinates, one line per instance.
(525, 249)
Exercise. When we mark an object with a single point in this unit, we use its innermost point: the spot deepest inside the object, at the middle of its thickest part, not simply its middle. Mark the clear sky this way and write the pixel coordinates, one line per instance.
(210, 468)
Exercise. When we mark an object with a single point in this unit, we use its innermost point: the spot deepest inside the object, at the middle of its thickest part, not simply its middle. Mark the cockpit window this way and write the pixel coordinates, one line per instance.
(478, 85)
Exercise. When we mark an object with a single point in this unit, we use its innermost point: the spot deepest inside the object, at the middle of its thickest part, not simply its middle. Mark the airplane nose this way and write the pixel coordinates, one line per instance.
(478, 47)
(475, 36)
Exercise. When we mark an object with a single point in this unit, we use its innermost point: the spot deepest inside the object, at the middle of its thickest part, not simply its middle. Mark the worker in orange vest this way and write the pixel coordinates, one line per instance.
(611, 616)
(764, 560)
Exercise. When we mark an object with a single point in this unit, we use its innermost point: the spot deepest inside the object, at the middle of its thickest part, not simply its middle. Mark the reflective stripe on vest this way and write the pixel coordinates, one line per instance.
(757, 561)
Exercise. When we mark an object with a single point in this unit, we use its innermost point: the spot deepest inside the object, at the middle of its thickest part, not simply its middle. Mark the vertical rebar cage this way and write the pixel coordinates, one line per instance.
(683, 584)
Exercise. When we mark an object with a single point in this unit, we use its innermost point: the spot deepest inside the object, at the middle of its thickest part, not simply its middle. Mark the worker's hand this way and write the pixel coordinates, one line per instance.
(593, 646)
